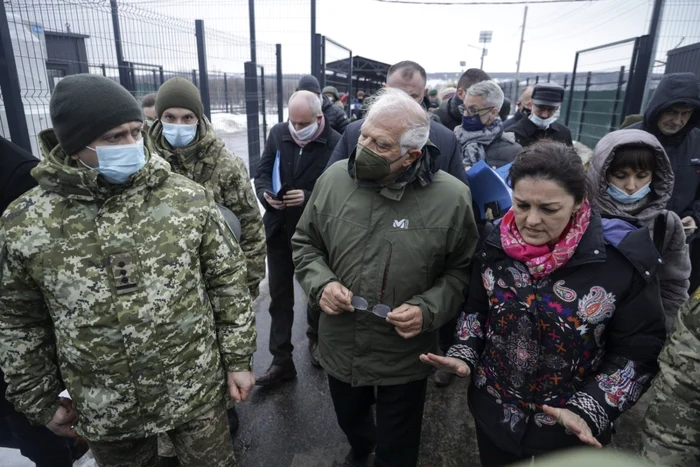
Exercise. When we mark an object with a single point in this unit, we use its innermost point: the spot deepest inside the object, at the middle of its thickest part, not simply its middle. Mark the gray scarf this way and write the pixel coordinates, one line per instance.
(473, 142)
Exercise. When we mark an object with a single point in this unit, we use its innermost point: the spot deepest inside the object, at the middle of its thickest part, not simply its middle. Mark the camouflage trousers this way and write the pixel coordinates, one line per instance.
(202, 442)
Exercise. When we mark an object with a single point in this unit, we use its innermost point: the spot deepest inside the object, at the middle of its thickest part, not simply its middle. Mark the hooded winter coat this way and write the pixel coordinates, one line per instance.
(335, 116)
(418, 233)
(675, 269)
(682, 148)
(449, 113)
(585, 338)
(15, 167)
(132, 297)
(208, 162)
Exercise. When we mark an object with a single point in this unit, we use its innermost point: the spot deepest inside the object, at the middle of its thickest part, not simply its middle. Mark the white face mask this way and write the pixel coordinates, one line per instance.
(305, 133)
(179, 136)
(541, 122)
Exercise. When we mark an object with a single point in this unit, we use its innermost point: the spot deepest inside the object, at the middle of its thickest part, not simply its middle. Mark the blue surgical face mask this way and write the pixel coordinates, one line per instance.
(541, 122)
(472, 123)
(179, 136)
(621, 196)
(118, 163)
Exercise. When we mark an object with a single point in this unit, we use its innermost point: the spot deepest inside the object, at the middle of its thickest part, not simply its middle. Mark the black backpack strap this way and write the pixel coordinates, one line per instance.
(660, 231)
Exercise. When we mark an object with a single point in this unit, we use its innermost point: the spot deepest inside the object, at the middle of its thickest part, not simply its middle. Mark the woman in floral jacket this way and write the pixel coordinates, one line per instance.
(564, 323)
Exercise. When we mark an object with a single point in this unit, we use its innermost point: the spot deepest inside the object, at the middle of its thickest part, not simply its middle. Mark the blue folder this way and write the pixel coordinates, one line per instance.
(489, 190)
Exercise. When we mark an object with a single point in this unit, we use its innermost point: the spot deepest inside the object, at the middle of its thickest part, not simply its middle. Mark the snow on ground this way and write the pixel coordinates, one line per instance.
(231, 123)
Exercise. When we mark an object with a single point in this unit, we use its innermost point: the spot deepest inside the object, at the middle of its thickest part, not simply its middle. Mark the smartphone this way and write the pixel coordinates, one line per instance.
(280, 194)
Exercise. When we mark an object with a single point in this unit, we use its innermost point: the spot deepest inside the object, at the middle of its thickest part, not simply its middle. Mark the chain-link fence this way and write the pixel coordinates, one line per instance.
(141, 49)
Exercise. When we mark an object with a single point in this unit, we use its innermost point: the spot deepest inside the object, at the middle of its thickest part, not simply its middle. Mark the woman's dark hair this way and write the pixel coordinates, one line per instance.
(549, 160)
(637, 158)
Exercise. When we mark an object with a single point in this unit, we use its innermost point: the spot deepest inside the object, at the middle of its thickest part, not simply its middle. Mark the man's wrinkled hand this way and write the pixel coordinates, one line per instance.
(240, 383)
(64, 419)
(294, 198)
(335, 299)
(689, 225)
(574, 424)
(407, 319)
(276, 204)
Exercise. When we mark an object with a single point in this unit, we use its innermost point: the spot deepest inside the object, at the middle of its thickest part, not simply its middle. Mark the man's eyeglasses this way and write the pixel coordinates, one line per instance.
(471, 111)
(381, 310)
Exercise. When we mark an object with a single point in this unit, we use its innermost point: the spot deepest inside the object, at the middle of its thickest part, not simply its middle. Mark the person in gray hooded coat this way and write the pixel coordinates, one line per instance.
(631, 178)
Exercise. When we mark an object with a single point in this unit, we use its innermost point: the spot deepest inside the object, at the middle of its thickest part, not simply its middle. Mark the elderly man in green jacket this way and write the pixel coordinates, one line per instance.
(383, 248)
(120, 282)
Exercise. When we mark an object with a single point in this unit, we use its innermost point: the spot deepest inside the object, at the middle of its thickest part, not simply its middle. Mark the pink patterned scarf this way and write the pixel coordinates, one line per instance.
(543, 260)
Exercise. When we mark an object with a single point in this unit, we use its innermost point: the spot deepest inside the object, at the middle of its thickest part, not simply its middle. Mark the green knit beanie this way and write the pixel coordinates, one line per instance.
(179, 92)
(84, 107)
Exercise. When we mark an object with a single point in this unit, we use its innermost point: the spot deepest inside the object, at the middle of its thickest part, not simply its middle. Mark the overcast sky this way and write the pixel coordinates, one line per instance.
(436, 36)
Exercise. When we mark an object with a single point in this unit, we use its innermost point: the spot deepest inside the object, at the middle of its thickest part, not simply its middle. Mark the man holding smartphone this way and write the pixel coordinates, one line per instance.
(295, 156)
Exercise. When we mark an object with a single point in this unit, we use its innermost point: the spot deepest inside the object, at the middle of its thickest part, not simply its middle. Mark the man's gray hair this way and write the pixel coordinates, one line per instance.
(310, 98)
(394, 104)
(490, 92)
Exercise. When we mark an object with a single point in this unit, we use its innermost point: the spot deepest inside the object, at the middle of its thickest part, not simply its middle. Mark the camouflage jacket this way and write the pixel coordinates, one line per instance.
(672, 426)
(131, 297)
(210, 164)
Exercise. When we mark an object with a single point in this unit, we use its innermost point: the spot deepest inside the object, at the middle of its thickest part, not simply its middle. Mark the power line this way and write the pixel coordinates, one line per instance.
(485, 3)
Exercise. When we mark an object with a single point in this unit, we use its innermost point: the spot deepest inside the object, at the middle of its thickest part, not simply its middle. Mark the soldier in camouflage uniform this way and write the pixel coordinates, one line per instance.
(120, 282)
(672, 426)
(186, 139)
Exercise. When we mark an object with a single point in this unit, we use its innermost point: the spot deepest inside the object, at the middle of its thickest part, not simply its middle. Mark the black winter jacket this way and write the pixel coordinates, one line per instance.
(299, 169)
(449, 160)
(586, 338)
(512, 120)
(449, 113)
(335, 116)
(683, 148)
(527, 133)
(15, 177)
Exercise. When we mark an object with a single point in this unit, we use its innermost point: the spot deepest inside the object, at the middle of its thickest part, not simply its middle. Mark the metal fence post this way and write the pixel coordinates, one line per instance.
(571, 91)
(566, 81)
(252, 110)
(203, 75)
(262, 107)
(11, 90)
(583, 107)
(314, 47)
(348, 100)
(620, 82)
(155, 80)
(104, 70)
(194, 77)
(637, 83)
(251, 17)
(162, 75)
(537, 79)
(123, 72)
(226, 93)
(318, 42)
(527, 82)
(280, 89)
(322, 77)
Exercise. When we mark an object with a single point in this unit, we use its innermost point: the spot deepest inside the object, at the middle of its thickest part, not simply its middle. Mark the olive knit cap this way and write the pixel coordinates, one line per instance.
(179, 92)
(84, 107)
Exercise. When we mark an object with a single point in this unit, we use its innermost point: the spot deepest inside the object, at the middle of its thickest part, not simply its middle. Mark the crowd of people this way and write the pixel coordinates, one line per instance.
(131, 253)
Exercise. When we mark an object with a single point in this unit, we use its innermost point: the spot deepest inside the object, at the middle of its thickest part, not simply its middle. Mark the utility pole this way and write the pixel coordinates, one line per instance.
(520, 55)
(484, 38)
